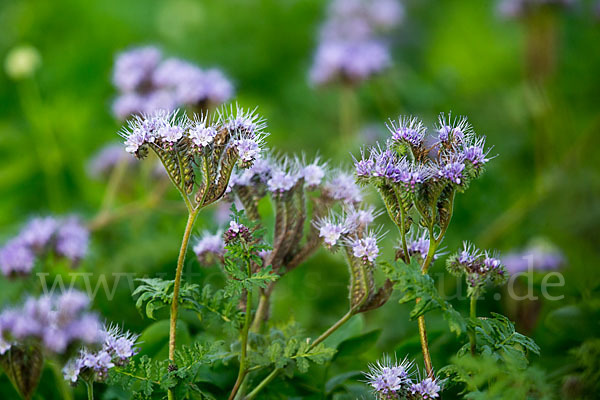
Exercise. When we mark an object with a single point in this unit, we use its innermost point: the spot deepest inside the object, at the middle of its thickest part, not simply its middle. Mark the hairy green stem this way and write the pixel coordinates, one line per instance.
(261, 311)
(473, 315)
(90, 390)
(175, 301)
(421, 320)
(243, 356)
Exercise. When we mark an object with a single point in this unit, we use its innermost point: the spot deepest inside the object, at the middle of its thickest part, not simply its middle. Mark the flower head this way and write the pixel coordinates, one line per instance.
(427, 389)
(72, 240)
(133, 68)
(388, 377)
(409, 130)
(452, 170)
(202, 133)
(342, 187)
(313, 174)
(210, 247)
(16, 258)
(365, 248)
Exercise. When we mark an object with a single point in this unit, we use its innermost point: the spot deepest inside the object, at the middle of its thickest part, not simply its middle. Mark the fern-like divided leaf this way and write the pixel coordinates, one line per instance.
(497, 338)
(409, 280)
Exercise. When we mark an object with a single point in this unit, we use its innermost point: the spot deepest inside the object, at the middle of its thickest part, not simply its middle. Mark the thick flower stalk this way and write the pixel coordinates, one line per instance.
(417, 174)
(199, 155)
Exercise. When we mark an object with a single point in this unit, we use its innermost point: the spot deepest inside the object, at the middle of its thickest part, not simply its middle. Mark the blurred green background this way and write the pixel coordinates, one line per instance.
(457, 56)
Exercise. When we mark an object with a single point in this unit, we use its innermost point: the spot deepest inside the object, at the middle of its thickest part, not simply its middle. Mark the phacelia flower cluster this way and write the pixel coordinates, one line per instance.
(58, 323)
(65, 237)
(422, 169)
(210, 248)
(538, 256)
(147, 83)
(396, 380)
(480, 268)
(417, 244)
(92, 364)
(198, 153)
(352, 47)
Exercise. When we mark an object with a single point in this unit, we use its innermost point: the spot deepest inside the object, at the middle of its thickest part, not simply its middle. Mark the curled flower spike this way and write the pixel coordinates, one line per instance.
(476, 153)
(452, 170)
(426, 389)
(361, 216)
(313, 173)
(284, 176)
(364, 167)
(453, 132)
(198, 154)
(480, 268)
(332, 228)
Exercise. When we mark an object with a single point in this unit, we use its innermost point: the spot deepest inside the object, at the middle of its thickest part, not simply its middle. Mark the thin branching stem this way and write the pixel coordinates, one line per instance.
(473, 315)
(175, 302)
(243, 355)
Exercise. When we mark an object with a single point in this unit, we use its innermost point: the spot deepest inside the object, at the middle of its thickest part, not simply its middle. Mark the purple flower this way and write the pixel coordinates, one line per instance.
(209, 248)
(134, 67)
(364, 167)
(72, 240)
(389, 378)
(281, 181)
(476, 153)
(248, 149)
(236, 231)
(366, 248)
(360, 216)
(452, 171)
(313, 174)
(342, 187)
(331, 232)
(246, 122)
(16, 258)
(218, 88)
(202, 133)
(408, 130)
(538, 256)
(55, 321)
(428, 388)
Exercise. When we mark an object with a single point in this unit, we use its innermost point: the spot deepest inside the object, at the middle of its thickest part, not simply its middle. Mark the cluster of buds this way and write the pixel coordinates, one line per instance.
(237, 232)
(65, 237)
(391, 380)
(417, 245)
(422, 170)
(350, 232)
(92, 365)
(199, 154)
(351, 48)
(147, 83)
(479, 268)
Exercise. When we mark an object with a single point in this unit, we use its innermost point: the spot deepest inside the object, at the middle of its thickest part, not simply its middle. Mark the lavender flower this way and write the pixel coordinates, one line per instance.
(331, 232)
(387, 378)
(427, 389)
(408, 130)
(202, 132)
(16, 258)
(365, 248)
(313, 174)
(72, 240)
(539, 256)
(92, 365)
(147, 84)
(364, 167)
(134, 67)
(57, 322)
(210, 248)
(361, 217)
(342, 187)
(452, 171)
(351, 49)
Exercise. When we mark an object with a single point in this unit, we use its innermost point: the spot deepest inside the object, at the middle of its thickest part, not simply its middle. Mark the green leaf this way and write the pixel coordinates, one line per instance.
(338, 380)
(358, 345)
